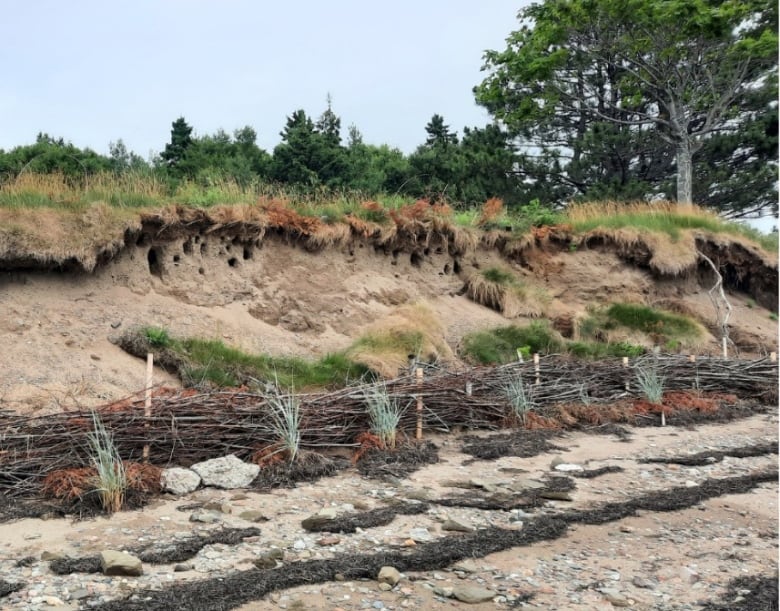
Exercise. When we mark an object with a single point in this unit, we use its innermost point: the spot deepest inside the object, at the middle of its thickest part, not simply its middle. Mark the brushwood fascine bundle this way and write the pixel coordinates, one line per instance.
(190, 425)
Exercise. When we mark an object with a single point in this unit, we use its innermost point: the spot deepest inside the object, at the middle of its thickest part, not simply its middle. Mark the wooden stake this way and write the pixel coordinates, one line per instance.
(625, 366)
(725, 347)
(148, 399)
(536, 368)
(419, 374)
(469, 389)
(691, 358)
(773, 357)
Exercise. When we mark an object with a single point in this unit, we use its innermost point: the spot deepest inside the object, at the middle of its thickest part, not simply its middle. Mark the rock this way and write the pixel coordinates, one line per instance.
(113, 562)
(555, 495)
(455, 526)
(565, 466)
(385, 587)
(330, 540)
(53, 601)
(116, 324)
(253, 516)
(641, 582)
(299, 545)
(226, 472)
(48, 556)
(79, 594)
(690, 483)
(615, 597)
(388, 575)
(205, 516)
(420, 535)
(179, 481)
(219, 506)
(268, 559)
(556, 461)
(689, 575)
(182, 566)
(466, 566)
(443, 591)
(472, 595)
(320, 520)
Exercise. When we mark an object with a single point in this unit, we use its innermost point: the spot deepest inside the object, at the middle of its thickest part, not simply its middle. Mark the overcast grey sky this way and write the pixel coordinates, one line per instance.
(92, 71)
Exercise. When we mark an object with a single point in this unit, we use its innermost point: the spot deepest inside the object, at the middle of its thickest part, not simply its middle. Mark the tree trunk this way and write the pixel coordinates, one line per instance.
(684, 172)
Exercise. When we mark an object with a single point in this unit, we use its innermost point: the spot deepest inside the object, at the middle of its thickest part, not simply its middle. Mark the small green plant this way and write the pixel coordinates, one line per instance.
(751, 303)
(651, 382)
(538, 215)
(499, 276)
(157, 336)
(286, 422)
(520, 400)
(384, 413)
(111, 477)
(773, 316)
(585, 397)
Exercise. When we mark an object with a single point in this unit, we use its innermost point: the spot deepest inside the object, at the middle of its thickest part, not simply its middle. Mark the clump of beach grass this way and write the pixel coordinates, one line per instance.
(111, 484)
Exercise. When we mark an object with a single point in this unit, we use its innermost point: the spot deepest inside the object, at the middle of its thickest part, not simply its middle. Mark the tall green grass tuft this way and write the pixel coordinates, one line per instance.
(111, 477)
(286, 422)
(520, 400)
(651, 382)
(384, 413)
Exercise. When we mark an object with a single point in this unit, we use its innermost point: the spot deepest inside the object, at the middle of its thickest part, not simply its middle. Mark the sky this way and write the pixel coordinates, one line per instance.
(93, 72)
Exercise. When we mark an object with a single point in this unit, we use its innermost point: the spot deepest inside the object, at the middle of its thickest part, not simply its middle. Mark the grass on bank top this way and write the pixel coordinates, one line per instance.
(661, 217)
(138, 192)
(221, 365)
(499, 346)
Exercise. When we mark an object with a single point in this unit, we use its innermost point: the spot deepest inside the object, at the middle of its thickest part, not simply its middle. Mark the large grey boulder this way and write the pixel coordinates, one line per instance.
(113, 562)
(179, 481)
(226, 472)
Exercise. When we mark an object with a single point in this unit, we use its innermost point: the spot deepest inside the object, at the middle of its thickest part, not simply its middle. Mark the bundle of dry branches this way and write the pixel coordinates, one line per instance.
(189, 426)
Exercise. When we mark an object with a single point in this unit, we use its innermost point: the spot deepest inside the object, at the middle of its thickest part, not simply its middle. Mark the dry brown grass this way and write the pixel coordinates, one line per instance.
(54, 237)
(413, 329)
(512, 299)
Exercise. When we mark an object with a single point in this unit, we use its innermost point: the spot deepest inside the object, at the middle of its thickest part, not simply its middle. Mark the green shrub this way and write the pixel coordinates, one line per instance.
(648, 320)
(384, 413)
(499, 276)
(500, 345)
(157, 336)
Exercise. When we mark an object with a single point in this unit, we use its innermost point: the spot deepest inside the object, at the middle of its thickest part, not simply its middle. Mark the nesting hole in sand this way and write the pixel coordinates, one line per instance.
(176, 258)
(416, 259)
(447, 268)
(456, 266)
(187, 247)
(232, 262)
(247, 253)
(154, 260)
(201, 271)
(203, 248)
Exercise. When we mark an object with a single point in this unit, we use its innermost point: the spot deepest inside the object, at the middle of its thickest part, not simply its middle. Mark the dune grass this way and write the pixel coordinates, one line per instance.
(214, 362)
(662, 217)
(499, 346)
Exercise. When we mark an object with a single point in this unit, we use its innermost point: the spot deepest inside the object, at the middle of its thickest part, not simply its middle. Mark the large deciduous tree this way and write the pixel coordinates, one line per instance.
(627, 77)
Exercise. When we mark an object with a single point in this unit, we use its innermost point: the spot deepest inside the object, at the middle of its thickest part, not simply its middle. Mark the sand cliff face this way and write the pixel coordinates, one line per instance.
(273, 292)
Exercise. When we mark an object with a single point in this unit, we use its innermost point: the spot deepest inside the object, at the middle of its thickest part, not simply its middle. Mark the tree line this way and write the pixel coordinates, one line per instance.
(591, 99)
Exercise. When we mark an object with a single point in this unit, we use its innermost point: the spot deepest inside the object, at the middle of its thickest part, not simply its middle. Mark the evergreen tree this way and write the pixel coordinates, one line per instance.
(174, 154)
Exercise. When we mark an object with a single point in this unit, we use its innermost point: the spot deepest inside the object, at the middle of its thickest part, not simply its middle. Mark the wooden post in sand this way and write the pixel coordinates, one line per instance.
(148, 401)
(419, 374)
(725, 347)
(625, 366)
(536, 368)
(773, 357)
